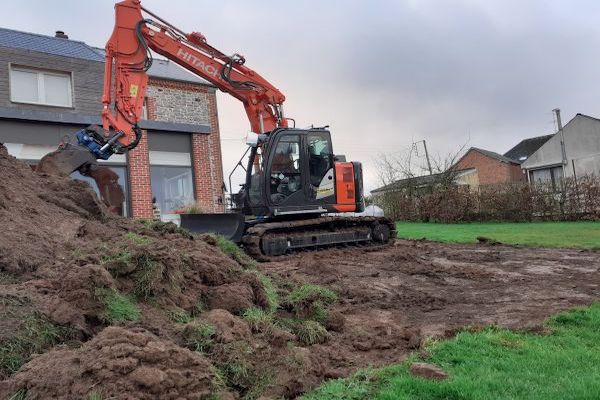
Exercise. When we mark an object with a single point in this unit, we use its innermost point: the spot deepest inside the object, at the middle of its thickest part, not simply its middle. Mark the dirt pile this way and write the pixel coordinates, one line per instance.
(115, 361)
(127, 309)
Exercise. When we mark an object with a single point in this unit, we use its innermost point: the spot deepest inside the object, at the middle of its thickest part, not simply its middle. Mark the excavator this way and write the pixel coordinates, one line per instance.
(297, 193)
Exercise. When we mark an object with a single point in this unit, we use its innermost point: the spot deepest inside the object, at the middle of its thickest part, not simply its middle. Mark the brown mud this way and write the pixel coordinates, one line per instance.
(62, 255)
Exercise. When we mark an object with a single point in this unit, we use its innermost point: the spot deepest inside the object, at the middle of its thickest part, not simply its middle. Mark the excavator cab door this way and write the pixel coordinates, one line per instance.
(297, 174)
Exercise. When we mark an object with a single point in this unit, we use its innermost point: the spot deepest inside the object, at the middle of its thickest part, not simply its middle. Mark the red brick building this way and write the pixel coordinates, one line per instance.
(489, 168)
(50, 87)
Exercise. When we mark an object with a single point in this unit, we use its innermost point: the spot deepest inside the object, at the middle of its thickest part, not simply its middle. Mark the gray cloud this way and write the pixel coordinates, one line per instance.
(384, 73)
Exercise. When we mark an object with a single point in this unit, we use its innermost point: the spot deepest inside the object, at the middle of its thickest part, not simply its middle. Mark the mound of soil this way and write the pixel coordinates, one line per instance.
(117, 363)
(108, 302)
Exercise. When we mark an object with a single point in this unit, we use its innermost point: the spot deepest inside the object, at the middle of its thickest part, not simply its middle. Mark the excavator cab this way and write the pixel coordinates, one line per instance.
(295, 173)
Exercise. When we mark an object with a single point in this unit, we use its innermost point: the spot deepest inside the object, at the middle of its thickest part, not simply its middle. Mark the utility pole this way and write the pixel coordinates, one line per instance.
(426, 155)
(562, 139)
(564, 160)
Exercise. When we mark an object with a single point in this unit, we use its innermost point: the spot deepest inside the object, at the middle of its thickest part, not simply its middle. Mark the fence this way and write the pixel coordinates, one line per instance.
(573, 200)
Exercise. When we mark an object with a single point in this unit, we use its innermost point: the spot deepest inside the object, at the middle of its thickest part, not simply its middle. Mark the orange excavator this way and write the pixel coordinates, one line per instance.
(296, 190)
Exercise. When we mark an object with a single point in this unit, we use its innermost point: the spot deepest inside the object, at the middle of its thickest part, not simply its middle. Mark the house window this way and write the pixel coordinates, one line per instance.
(172, 187)
(549, 176)
(40, 87)
(121, 172)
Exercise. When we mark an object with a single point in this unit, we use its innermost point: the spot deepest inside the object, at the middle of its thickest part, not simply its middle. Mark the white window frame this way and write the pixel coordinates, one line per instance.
(41, 86)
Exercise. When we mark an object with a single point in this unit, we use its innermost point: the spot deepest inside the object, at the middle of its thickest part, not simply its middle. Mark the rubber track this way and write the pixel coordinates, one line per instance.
(252, 237)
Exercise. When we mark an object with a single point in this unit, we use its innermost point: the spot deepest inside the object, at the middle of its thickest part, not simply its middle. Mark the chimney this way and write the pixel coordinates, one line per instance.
(61, 34)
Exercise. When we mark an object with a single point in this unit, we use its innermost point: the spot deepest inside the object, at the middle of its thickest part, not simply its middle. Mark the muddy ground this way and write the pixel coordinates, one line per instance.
(95, 306)
(395, 297)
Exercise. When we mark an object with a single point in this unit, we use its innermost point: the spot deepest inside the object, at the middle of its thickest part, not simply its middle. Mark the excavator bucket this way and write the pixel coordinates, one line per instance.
(67, 159)
(229, 225)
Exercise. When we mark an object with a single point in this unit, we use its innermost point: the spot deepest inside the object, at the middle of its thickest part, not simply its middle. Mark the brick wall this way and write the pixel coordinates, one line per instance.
(490, 170)
(172, 101)
(139, 180)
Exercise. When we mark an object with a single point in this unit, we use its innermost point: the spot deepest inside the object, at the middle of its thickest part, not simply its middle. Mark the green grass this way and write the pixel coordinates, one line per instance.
(584, 235)
(258, 319)
(118, 307)
(310, 301)
(270, 291)
(95, 395)
(494, 364)
(311, 332)
(149, 273)
(179, 316)
(138, 239)
(232, 250)
(18, 395)
(199, 336)
(37, 334)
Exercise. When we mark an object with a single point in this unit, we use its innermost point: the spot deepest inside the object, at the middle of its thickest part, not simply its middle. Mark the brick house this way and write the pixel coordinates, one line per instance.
(50, 87)
(488, 168)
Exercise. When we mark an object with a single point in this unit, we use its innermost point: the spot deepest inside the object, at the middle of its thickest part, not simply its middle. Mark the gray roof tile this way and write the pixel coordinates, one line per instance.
(526, 147)
(48, 44)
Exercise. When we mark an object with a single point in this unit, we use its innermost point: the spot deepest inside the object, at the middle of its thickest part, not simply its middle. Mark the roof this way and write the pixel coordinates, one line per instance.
(166, 69)
(48, 44)
(162, 69)
(526, 148)
(418, 181)
(491, 154)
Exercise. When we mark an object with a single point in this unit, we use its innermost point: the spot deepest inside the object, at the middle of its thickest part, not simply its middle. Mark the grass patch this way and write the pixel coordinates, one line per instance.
(149, 273)
(199, 336)
(311, 301)
(311, 332)
(95, 395)
(118, 307)
(232, 250)
(258, 319)
(179, 316)
(138, 239)
(494, 363)
(582, 235)
(239, 373)
(7, 278)
(122, 257)
(164, 227)
(37, 334)
(270, 291)
(20, 394)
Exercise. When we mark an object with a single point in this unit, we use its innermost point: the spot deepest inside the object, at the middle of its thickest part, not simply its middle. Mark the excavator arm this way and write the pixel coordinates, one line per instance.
(128, 58)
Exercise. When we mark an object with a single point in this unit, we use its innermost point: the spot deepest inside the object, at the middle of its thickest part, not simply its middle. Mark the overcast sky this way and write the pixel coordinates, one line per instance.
(383, 74)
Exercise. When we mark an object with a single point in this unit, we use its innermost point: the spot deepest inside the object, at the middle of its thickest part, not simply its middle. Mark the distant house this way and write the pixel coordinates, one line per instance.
(476, 167)
(489, 168)
(582, 149)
